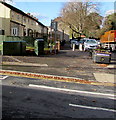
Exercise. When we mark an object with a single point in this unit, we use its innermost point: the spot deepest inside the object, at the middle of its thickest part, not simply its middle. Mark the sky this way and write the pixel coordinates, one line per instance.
(47, 10)
(44, 11)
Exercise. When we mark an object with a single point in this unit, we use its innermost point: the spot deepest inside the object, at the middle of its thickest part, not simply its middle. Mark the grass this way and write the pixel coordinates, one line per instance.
(29, 48)
(46, 49)
(32, 48)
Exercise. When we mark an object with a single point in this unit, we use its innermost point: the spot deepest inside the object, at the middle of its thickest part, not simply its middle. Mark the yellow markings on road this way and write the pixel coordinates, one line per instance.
(54, 78)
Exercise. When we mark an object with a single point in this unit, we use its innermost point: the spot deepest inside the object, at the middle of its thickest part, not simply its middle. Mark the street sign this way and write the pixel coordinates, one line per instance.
(54, 25)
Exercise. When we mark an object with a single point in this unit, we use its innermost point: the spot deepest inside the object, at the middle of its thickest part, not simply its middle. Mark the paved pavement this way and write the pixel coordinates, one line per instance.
(67, 63)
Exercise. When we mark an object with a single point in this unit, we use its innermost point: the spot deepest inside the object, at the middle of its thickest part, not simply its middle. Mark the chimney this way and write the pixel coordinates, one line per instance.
(28, 14)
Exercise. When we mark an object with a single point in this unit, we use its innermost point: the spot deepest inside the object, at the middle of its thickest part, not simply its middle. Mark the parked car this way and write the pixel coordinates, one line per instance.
(90, 44)
(98, 41)
(74, 41)
(81, 41)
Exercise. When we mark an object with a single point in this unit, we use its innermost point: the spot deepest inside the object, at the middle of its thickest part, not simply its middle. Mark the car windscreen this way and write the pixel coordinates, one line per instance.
(81, 41)
(91, 41)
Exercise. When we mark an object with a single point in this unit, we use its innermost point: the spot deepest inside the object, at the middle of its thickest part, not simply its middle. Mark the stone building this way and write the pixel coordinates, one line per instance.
(15, 22)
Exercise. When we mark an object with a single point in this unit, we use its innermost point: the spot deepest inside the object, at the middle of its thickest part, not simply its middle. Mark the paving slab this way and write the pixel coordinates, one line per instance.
(24, 64)
(105, 77)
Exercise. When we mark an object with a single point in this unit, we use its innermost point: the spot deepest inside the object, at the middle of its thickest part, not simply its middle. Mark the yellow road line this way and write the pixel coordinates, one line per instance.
(54, 78)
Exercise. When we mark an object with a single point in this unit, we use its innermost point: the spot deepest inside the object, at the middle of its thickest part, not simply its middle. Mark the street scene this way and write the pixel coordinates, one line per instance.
(62, 67)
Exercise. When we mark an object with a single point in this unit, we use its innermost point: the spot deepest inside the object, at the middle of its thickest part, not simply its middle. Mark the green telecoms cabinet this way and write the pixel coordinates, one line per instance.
(14, 47)
(39, 46)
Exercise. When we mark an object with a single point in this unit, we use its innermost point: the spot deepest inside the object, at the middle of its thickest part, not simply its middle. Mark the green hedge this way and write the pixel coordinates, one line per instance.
(29, 40)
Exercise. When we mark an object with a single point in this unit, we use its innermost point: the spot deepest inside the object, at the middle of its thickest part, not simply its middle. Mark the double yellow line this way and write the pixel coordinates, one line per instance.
(52, 77)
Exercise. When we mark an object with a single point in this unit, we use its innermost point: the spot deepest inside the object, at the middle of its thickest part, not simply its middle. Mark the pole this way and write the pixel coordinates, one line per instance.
(51, 37)
(55, 41)
(55, 29)
(109, 41)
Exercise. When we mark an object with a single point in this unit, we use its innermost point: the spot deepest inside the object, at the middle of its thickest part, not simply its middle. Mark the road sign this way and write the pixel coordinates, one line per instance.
(54, 25)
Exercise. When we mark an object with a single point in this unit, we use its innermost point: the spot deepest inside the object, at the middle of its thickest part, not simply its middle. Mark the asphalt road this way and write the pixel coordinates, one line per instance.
(54, 99)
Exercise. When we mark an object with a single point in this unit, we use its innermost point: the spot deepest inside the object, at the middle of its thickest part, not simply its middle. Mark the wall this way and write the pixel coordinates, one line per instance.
(5, 19)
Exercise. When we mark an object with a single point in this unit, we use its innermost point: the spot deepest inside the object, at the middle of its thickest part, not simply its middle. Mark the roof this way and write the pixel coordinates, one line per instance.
(20, 11)
(83, 36)
(58, 19)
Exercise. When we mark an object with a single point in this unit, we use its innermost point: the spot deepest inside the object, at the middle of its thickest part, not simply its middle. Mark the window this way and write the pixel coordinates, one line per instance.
(12, 14)
(24, 19)
(18, 17)
(14, 31)
(32, 22)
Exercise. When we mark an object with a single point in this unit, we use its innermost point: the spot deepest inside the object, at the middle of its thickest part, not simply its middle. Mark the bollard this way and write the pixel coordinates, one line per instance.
(81, 47)
(73, 47)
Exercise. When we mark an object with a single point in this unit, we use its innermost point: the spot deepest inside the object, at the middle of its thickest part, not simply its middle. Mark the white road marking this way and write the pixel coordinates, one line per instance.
(14, 58)
(95, 108)
(25, 64)
(3, 77)
(110, 96)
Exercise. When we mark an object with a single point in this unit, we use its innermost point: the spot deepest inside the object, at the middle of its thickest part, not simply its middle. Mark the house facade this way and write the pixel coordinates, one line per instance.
(62, 32)
(15, 22)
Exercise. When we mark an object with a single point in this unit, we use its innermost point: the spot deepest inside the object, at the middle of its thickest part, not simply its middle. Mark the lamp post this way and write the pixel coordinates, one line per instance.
(54, 25)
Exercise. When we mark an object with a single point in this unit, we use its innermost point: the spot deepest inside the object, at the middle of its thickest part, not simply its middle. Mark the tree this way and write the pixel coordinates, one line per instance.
(94, 20)
(110, 22)
(79, 18)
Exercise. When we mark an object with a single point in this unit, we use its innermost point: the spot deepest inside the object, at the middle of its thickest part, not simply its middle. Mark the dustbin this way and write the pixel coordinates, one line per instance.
(39, 46)
(101, 57)
(23, 47)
